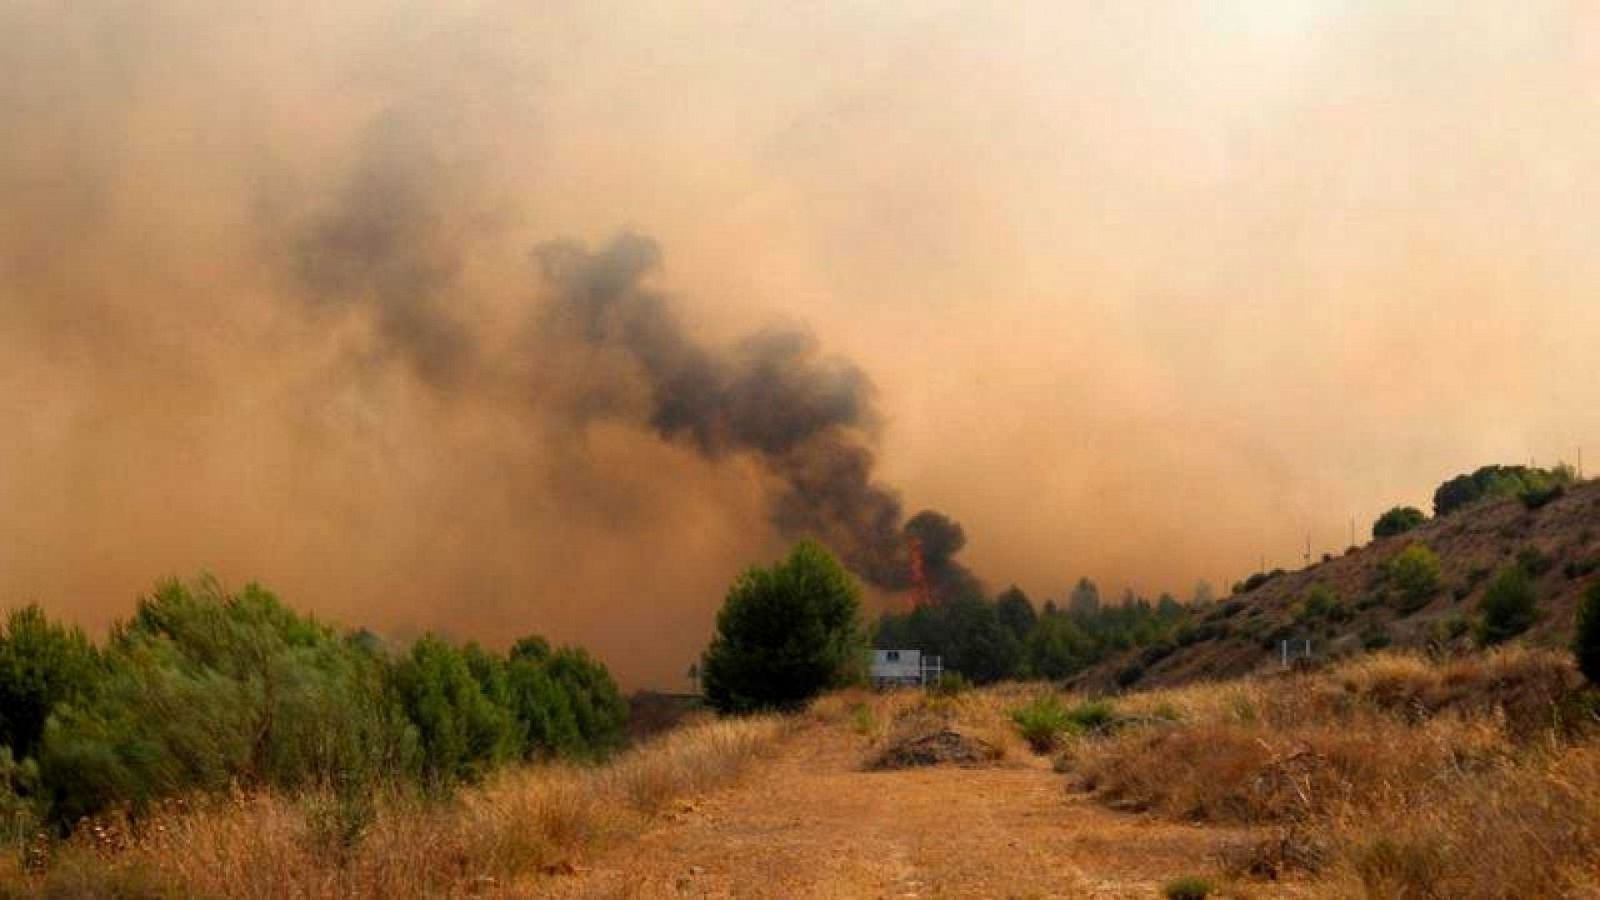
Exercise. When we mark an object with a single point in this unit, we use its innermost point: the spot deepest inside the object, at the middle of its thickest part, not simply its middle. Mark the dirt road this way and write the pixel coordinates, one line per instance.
(812, 823)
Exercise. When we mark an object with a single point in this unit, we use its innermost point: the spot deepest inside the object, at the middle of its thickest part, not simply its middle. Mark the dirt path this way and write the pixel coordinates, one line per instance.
(811, 823)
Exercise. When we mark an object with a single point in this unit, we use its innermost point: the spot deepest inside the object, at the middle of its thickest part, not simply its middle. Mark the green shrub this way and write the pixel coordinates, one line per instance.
(1586, 640)
(1042, 722)
(1535, 498)
(1414, 572)
(1509, 607)
(1130, 676)
(949, 684)
(785, 634)
(1092, 716)
(42, 665)
(1189, 887)
(1499, 481)
(1045, 720)
(1398, 520)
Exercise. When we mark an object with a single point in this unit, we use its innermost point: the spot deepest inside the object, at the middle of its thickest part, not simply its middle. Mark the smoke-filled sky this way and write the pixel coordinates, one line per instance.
(502, 317)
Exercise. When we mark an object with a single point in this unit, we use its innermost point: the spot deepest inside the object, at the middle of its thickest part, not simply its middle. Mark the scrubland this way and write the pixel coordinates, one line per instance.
(524, 823)
(1390, 775)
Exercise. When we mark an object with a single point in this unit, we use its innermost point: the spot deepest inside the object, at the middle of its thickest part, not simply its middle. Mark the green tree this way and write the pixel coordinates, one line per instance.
(785, 633)
(43, 664)
(1085, 598)
(598, 707)
(204, 688)
(463, 732)
(1057, 648)
(1398, 520)
(1586, 640)
(1015, 611)
(1509, 607)
(1415, 573)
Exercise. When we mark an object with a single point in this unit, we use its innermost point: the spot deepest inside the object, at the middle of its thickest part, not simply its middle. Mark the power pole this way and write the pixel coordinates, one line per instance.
(1308, 549)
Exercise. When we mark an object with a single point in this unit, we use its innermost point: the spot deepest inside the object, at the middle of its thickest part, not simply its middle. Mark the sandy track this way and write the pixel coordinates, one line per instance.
(811, 823)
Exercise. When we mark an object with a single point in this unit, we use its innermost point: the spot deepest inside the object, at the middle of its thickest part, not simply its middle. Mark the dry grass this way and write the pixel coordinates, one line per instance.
(1392, 776)
(485, 840)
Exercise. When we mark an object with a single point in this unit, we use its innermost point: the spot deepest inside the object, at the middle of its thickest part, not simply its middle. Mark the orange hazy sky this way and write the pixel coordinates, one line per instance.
(1146, 291)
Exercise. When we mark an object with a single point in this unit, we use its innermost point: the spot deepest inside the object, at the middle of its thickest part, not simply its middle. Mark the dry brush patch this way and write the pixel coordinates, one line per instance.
(482, 840)
(1389, 776)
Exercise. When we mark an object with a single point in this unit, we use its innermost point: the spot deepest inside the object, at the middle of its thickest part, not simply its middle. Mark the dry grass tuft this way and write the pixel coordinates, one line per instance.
(482, 841)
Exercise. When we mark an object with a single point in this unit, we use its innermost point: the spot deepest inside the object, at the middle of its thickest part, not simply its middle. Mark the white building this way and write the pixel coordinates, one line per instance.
(904, 667)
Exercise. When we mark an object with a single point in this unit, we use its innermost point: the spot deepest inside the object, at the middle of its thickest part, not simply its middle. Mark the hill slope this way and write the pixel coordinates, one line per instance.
(1558, 544)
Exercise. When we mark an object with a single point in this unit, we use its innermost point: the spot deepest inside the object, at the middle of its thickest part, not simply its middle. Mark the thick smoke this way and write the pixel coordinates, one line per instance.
(387, 248)
(807, 417)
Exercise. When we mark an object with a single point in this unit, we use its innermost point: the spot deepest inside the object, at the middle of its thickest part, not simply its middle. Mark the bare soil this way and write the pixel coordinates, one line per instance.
(814, 822)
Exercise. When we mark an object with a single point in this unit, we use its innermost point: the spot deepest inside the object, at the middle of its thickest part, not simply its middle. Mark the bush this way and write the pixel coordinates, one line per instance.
(1130, 676)
(1539, 497)
(207, 690)
(1187, 888)
(1398, 520)
(1415, 573)
(42, 665)
(1586, 641)
(1092, 716)
(1501, 481)
(785, 634)
(949, 684)
(1509, 607)
(1042, 722)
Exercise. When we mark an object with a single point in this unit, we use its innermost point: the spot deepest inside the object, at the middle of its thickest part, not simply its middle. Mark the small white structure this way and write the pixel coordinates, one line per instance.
(891, 668)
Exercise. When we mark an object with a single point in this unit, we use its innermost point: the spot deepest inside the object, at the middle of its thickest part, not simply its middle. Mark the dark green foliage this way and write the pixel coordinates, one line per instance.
(1321, 603)
(1414, 572)
(1015, 611)
(1500, 481)
(205, 688)
(1375, 638)
(598, 708)
(785, 634)
(1130, 675)
(1537, 498)
(43, 664)
(1085, 598)
(1586, 637)
(1509, 607)
(463, 731)
(1057, 648)
(1398, 520)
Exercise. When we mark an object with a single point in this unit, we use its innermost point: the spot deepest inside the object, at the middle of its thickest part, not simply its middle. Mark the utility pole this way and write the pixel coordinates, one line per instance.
(1308, 549)
(1352, 531)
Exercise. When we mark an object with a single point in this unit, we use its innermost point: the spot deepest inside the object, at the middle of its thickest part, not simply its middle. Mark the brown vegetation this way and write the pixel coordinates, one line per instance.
(533, 820)
(1353, 603)
(1389, 775)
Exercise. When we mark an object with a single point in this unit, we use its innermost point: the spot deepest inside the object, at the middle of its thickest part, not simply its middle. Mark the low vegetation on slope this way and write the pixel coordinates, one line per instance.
(1390, 775)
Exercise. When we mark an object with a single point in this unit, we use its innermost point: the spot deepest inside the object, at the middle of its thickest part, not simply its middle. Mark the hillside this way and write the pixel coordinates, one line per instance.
(1559, 546)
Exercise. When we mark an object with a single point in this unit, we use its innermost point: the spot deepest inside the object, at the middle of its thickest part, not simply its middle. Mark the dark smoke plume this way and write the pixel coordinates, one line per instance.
(807, 417)
(389, 246)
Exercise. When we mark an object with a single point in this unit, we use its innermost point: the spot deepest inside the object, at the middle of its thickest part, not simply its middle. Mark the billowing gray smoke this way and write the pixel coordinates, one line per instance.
(389, 247)
(806, 416)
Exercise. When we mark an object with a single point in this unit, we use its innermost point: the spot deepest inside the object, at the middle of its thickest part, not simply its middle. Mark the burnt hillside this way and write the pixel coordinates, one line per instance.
(1360, 608)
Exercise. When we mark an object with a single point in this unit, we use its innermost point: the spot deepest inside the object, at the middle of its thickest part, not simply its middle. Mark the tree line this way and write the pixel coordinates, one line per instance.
(204, 689)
